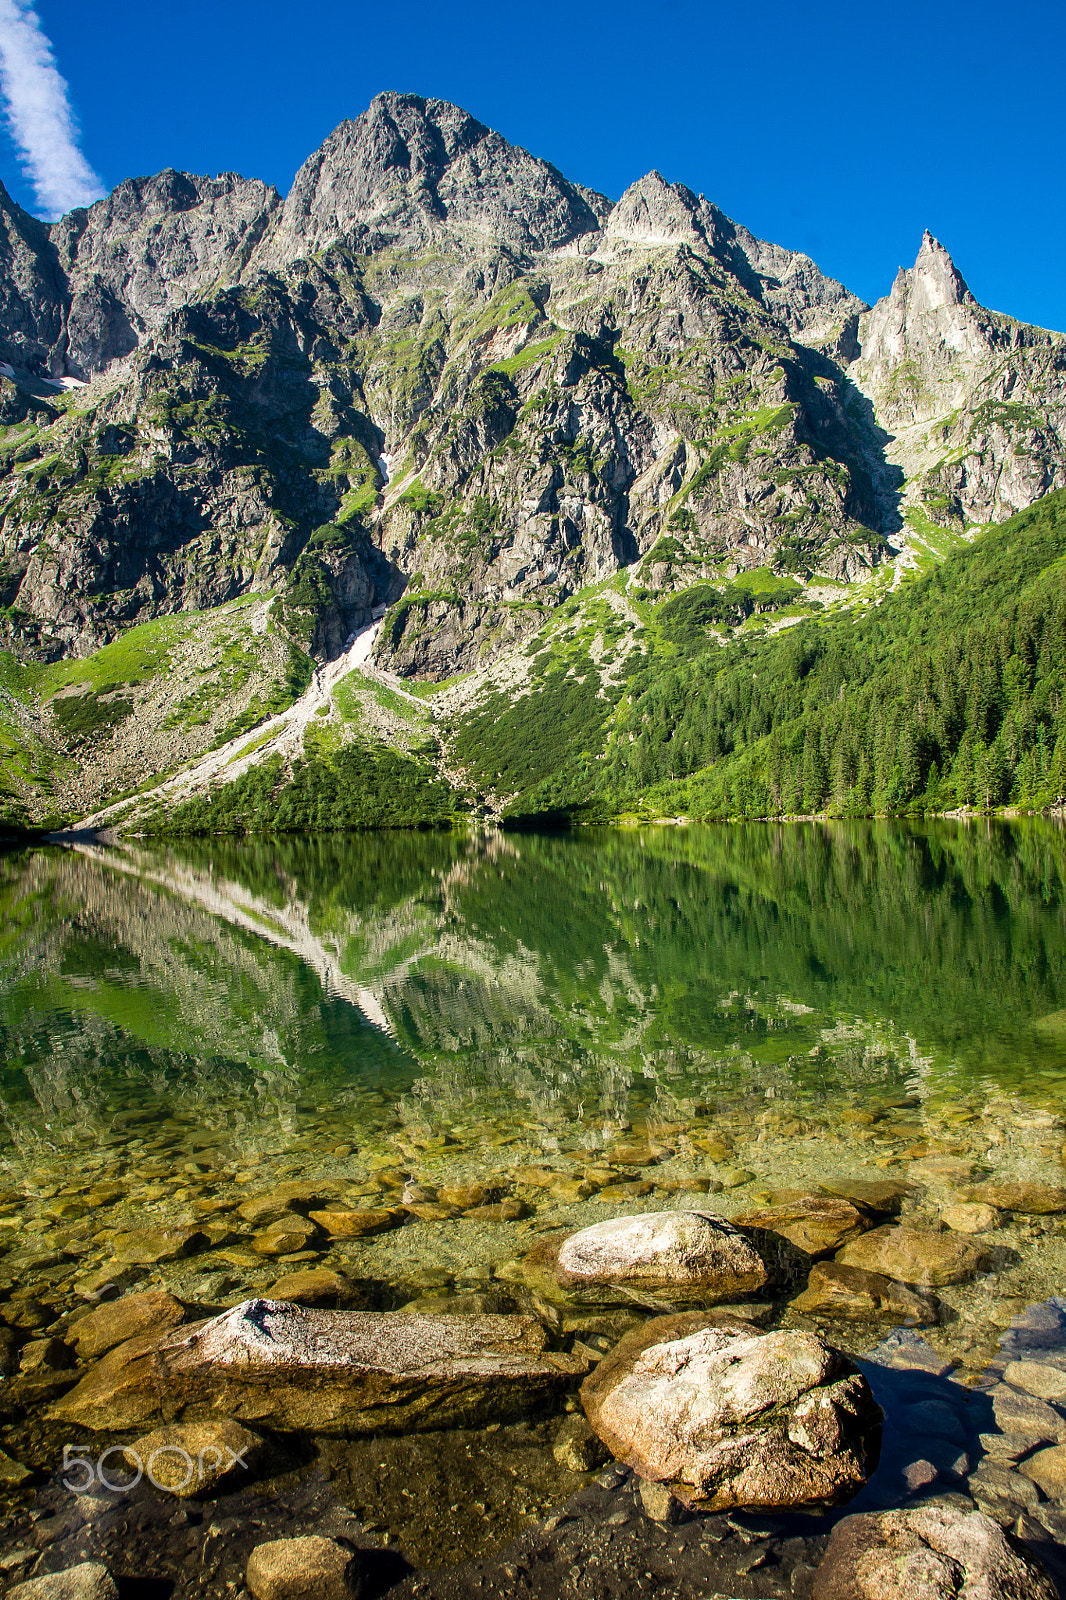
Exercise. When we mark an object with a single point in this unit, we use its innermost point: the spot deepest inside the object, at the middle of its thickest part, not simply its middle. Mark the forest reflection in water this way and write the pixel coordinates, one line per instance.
(555, 977)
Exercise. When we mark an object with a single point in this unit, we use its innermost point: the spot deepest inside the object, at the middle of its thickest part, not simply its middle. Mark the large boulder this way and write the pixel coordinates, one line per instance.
(352, 1372)
(915, 1255)
(928, 1553)
(680, 1256)
(727, 1416)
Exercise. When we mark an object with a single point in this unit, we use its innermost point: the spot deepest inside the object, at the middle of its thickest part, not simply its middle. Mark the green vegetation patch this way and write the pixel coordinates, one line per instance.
(354, 788)
(511, 746)
(89, 715)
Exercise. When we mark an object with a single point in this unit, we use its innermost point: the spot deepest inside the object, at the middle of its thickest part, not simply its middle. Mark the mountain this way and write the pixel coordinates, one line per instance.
(440, 380)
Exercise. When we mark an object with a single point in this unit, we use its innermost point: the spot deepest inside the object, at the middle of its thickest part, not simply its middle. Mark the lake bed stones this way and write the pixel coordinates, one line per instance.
(728, 1417)
(929, 1553)
(915, 1255)
(680, 1256)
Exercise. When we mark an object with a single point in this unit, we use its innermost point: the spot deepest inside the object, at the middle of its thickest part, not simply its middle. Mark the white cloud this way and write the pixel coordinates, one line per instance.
(39, 115)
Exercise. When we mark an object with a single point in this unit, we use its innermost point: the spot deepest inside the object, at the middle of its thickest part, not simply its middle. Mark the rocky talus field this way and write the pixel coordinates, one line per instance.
(442, 389)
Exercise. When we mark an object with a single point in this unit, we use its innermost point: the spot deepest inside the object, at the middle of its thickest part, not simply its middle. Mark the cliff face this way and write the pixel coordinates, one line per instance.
(975, 402)
(441, 378)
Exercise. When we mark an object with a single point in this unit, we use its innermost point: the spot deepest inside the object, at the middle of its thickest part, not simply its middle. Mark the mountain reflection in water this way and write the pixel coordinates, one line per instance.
(574, 980)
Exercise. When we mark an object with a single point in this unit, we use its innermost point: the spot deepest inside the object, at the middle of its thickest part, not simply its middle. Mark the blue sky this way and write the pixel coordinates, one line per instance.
(839, 129)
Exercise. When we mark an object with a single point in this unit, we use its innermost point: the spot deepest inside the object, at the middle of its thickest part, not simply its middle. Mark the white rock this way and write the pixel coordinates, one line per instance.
(683, 1255)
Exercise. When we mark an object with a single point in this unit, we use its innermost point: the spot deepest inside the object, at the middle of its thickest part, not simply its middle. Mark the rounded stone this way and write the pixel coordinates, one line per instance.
(682, 1254)
(306, 1568)
(914, 1255)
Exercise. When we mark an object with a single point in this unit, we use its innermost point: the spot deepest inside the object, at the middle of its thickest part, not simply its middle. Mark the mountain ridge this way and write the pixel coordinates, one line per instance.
(439, 379)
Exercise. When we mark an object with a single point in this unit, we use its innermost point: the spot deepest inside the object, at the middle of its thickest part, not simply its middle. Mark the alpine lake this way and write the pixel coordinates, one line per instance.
(476, 1040)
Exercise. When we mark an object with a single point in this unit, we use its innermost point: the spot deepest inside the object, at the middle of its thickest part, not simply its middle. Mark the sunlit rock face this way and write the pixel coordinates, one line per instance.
(561, 387)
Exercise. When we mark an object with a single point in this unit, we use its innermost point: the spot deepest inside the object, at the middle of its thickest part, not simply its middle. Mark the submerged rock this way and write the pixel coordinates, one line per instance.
(884, 1195)
(290, 1367)
(970, 1217)
(915, 1255)
(147, 1247)
(341, 1224)
(116, 1321)
(928, 1553)
(726, 1416)
(120, 1391)
(816, 1224)
(837, 1290)
(1031, 1199)
(680, 1255)
(194, 1458)
(313, 1286)
(577, 1448)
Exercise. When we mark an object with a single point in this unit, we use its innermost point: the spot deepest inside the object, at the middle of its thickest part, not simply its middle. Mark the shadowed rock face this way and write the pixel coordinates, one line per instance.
(975, 401)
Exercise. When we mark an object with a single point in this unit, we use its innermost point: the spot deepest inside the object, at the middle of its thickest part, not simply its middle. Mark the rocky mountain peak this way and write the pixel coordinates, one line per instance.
(930, 317)
(409, 167)
(933, 282)
(653, 212)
